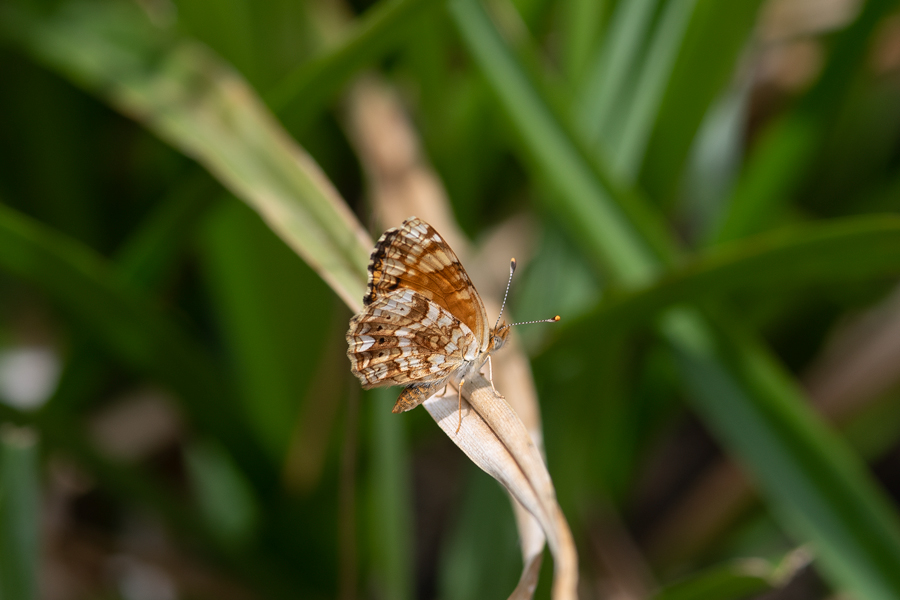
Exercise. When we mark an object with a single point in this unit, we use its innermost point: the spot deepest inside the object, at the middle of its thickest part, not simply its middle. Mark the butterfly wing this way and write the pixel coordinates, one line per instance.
(403, 338)
(415, 257)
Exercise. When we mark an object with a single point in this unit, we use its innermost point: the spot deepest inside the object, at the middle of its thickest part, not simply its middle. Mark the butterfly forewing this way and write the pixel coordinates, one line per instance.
(415, 256)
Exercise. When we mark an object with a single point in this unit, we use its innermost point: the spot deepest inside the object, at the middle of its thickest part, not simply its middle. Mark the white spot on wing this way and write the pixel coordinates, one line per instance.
(434, 312)
(367, 342)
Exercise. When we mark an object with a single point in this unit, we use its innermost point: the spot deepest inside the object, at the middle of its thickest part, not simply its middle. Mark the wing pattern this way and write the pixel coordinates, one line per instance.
(414, 256)
(423, 324)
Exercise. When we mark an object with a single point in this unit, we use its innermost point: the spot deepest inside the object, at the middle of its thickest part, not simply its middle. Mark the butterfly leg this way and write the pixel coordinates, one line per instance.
(491, 374)
(459, 403)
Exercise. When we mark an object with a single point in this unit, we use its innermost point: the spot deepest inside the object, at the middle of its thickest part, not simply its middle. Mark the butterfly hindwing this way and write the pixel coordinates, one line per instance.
(404, 338)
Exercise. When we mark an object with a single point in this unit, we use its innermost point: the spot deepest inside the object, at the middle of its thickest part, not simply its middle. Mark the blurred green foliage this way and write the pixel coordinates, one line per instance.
(716, 187)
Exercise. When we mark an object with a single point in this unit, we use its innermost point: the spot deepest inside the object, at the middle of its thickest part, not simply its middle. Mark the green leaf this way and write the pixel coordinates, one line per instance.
(736, 579)
(224, 496)
(481, 557)
(781, 158)
(191, 99)
(596, 210)
(835, 252)
(739, 579)
(129, 327)
(580, 24)
(148, 254)
(716, 36)
(390, 499)
(627, 145)
(815, 486)
(19, 513)
(301, 94)
(736, 387)
(265, 299)
(611, 68)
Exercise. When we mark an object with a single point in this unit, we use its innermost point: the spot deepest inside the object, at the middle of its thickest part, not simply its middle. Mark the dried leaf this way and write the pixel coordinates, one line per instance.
(494, 438)
(492, 434)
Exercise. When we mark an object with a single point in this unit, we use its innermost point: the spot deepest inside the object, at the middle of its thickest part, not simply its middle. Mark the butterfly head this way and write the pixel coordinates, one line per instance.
(498, 336)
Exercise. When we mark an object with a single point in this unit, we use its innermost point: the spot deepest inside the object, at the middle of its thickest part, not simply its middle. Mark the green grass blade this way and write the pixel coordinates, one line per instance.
(301, 95)
(226, 26)
(627, 148)
(609, 73)
(390, 506)
(148, 254)
(779, 161)
(855, 533)
(816, 487)
(481, 557)
(198, 104)
(580, 25)
(263, 296)
(837, 252)
(19, 513)
(128, 326)
(598, 221)
(734, 581)
(226, 502)
(716, 36)
(772, 171)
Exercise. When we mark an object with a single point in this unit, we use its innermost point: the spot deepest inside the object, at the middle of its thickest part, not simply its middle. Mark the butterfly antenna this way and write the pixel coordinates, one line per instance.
(553, 320)
(512, 269)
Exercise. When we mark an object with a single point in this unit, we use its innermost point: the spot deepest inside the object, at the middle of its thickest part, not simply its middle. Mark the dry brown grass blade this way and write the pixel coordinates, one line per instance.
(493, 436)
(495, 439)
(532, 544)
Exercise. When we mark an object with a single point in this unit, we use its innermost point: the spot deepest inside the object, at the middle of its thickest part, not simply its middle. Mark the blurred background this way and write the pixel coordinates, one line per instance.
(706, 192)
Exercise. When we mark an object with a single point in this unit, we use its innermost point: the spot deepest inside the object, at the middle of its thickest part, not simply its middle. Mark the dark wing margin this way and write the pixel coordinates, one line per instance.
(377, 283)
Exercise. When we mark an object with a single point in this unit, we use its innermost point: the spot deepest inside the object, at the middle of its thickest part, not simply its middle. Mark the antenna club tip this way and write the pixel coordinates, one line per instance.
(556, 318)
(512, 264)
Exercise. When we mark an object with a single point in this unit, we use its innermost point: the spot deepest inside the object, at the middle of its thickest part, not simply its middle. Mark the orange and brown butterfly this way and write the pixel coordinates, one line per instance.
(423, 324)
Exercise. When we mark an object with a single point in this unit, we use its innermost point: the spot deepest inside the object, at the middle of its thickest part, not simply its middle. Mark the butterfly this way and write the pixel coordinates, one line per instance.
(423, 324)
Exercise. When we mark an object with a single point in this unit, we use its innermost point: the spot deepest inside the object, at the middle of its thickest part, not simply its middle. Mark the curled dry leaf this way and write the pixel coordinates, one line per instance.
(494, 438)
(492, 434)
